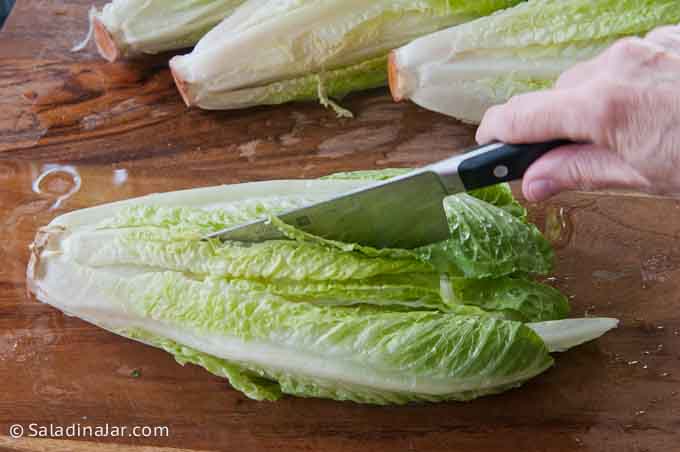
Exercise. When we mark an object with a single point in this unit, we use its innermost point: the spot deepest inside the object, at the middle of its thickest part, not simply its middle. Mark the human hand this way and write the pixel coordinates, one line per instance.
(624, 106)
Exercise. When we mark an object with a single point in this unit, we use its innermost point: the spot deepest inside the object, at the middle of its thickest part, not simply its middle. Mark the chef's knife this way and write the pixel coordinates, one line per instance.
(406, 211)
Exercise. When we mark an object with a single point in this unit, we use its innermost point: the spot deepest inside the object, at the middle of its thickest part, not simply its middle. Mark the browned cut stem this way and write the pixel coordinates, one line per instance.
(34, 269)
(105, 43)
(182, 86)
(393, 77)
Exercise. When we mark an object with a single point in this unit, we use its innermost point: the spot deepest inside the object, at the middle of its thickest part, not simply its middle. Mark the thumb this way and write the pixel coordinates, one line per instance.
(579, 167)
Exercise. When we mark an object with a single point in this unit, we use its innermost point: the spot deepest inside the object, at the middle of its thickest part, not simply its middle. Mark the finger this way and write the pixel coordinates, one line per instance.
(578, 74)
(537, 116)
(579, 167)
(667, 37)
(610, 63)
(583, 72)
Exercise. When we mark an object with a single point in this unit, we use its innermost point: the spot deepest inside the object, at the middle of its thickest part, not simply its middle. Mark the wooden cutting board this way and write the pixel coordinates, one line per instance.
(76, 131)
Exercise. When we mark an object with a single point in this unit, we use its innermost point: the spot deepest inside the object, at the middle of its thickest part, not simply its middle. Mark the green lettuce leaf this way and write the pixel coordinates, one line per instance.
(501, 196)
(515, 298)
(369, 175)
(307, 268)
(276, 259)
(249, 383)
(487, 241)
(398, 293)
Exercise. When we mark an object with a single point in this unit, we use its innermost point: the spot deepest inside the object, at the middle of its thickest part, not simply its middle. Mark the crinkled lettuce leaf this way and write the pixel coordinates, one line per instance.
(515, 298)
(249, 383)
(488, 241)
(501, 196)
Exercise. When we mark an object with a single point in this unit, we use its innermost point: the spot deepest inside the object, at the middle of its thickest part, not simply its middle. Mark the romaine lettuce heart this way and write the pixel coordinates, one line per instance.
(308, 316)
(465, 69)
(271, 52)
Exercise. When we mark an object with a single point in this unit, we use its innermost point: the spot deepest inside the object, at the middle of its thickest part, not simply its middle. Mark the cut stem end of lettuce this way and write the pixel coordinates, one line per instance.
(105, 41)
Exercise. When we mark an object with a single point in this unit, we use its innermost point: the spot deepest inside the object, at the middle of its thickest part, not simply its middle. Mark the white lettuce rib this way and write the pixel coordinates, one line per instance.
(561, 335)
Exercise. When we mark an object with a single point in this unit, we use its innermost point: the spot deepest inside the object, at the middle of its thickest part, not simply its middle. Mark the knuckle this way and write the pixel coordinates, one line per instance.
(569, 75)
(628, 48)
(615, 112)
(514, 102)
(507, 120)
(562, 81)
(636, 53)
(662, 32)
(656, 56)
(580, 173)
(613, 101)
(513, 124)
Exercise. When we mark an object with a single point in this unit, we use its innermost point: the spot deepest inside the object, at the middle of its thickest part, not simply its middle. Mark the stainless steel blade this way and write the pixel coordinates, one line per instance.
(403, 212)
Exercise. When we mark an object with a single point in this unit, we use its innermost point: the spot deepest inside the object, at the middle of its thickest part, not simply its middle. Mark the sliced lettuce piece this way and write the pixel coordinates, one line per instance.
(464, 70)
(313, 271)
(343, 353)
(319, 48)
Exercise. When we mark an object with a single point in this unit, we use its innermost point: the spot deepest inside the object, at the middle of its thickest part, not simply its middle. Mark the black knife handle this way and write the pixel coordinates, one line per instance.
(501, 163)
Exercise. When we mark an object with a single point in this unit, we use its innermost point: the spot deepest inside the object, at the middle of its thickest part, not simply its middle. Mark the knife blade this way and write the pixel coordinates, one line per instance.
(405, 211)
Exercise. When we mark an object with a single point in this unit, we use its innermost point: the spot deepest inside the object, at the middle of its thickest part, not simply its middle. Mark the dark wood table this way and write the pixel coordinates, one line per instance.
(76, 131)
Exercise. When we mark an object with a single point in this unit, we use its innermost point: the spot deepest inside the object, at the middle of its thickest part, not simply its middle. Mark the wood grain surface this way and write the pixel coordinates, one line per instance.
(76, 131)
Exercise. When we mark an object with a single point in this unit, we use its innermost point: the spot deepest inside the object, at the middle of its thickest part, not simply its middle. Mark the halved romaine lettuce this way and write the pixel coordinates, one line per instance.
(307, 316)
(126, 28)
(464, 70)
(271, 52)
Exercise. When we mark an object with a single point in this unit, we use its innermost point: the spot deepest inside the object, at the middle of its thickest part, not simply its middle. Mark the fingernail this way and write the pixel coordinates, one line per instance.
(539, 190)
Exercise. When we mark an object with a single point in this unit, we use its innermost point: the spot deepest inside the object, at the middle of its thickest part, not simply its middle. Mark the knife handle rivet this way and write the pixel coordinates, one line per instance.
(500, 171)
